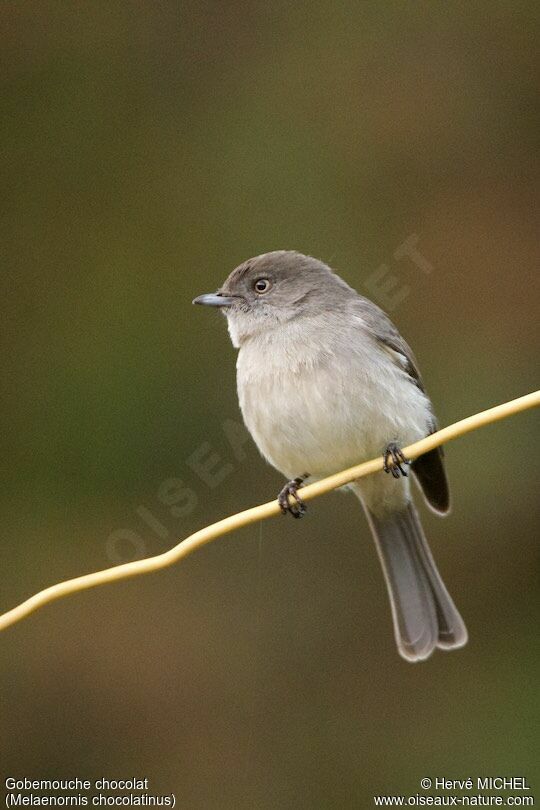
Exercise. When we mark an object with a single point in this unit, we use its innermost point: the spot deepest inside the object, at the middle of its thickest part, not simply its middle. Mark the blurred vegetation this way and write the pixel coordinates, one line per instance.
(148, 148)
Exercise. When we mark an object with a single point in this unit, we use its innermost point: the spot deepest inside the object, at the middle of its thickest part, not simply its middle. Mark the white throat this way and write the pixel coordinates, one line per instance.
(244, 326)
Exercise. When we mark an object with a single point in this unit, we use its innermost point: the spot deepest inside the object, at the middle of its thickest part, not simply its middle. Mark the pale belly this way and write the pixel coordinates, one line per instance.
(320, 420)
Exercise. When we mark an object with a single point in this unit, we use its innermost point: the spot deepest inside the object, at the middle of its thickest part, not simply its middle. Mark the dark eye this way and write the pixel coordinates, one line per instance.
(262, 285)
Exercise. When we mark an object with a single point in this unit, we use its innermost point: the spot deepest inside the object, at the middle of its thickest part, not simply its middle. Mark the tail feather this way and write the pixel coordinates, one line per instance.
(423, 612)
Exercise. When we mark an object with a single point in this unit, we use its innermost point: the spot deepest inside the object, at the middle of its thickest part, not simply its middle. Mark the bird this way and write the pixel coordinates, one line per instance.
(325, 381)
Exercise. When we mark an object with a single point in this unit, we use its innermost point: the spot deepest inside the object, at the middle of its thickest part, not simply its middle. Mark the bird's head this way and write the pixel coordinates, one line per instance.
(269, 290)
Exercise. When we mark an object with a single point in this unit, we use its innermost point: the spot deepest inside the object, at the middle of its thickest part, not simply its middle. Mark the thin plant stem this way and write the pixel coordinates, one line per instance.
(258, 513)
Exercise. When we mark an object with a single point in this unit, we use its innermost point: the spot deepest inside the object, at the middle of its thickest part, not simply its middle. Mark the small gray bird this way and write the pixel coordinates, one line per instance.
(325, 381)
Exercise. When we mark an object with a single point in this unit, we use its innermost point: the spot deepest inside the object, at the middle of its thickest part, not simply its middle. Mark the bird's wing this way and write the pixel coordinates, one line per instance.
(428, 468)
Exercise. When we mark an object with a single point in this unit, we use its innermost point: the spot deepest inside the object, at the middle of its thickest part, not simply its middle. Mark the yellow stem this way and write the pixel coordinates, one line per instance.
(257, 513)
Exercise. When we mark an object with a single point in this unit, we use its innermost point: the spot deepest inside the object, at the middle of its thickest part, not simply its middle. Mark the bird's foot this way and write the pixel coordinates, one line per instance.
(394, 461)
(296, 507)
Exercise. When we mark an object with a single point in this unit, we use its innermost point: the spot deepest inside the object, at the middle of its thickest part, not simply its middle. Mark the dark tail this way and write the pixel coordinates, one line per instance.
(424, 614)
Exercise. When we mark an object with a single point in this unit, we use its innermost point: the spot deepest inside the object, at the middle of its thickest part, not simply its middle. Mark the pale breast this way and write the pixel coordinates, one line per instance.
(328, 407)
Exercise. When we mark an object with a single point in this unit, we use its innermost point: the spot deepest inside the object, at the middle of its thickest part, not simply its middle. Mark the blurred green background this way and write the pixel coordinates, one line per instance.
(147, 149)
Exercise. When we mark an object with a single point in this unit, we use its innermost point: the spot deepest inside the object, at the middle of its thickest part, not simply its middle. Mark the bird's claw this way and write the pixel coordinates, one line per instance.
(393, 461)
(296, 507)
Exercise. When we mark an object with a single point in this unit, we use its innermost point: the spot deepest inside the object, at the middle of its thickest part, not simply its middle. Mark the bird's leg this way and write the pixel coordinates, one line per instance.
(297, 508)
(394, 459)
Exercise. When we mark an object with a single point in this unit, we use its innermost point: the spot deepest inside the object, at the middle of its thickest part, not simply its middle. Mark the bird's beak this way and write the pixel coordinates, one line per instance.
(214, 300)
